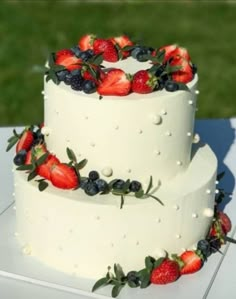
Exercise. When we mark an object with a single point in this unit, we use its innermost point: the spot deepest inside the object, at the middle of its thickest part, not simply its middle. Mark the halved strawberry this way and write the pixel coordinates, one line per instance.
(37, 151)
(192, 262)
(143, 82)
(25, 141)
(167, 272)
(185, 74)
(122, 42)
(116, 82)
(64, 177)
(44, 170)
(181, 52)
(169, 50)
(69, 61)
(64, 52)
(87, 75)
(225, 222)
(106, 48)
(86, 42)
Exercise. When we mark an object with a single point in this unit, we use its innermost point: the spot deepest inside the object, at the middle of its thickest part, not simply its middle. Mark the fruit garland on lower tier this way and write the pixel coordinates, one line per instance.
(81, 67)
(167, 269)
(33, 157)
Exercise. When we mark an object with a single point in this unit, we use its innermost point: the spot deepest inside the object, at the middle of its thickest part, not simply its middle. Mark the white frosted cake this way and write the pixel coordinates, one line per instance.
(129, 135)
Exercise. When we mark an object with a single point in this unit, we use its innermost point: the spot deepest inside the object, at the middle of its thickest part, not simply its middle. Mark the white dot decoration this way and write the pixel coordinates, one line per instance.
(178, 236)
(217, 182)
(45, 97)
(158, 220)
(27, 249)
(189, 134)
(112, 244)
(176, 207)
(137, 243)
(157, 152)
(107, 171)
(60, 248)
(168, 133)
(124, 236)
(163, 112)
(13, 169)
(86, 117)
(13, 194)
(159, 252)
(98, 218)
(140, 131)
(14, 208)
(179, 163)
(196, 138)
(208, 191)
(16, 234)
(194, 215)
(42, 92)
(46, 131)
(129, 170)
(117, 127)
(197, 91)
(156, 119)
(190, 102)
(208, 212)
(92, 144)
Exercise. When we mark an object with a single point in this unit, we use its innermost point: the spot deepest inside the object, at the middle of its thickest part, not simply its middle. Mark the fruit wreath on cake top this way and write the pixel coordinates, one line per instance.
(81, 67)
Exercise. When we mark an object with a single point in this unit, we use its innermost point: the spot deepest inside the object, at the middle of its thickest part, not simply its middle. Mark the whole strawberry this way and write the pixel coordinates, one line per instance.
(192, 262)
(25, 141)
(106, 48)
(44, 170)
(167, 272)
(63, 176)
(224, 221)
(143, 82)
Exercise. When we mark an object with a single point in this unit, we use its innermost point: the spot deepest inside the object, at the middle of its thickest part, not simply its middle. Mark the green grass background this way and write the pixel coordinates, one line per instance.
(29, 30)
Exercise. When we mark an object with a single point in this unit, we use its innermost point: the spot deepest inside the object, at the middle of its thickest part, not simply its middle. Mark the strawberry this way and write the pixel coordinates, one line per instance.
(88, 76)
(116, 82)
(37, 152)
(86, 42)
(169, 50)
(225, 222)
(122, 42)
(185, 74)
(192, 262)
(143, 82)
(25, 141)
(63, 176)
(69, 61)
(107, 48)
(44, 170)
(181, 52)
(64, 52)
(167, 272)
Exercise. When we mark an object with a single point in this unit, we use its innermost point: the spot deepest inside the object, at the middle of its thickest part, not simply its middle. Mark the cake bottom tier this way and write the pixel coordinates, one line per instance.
(83, 235)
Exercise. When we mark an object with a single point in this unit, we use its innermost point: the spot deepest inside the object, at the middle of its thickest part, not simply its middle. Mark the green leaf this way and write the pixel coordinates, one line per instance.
(118, 272)
(220, 176)
(58, 68)
(54, 77)
(42, 185)
(128, 48)
(126, 186)
(144, 276)
(81, 164)
(100, 283)
(116, 290)
(12, 138)
(97, 59)
(32, 175)
(132, 284)
(156, 198)
(51, 59)
(11, 143)
(139, 194)
(231, 240)
(149, 185)
(42, 159)
(183, 86)
(25, 167)
(122, 201)
(149, 263)
(16, 134)
(71, 155)
(158, 262)
(48, 77)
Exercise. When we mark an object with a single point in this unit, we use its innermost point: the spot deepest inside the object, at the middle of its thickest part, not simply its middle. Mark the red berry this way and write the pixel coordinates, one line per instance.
(192, 262)
(122, 41)
(64, 52)
(64, 177)
(225, 222)
(115, 83)
(169, 50)
(185, 74)
(167, 272)
(69, 61)
(44, 170)
(25, 141)
(106, 48)
(86, 42)
(143, 82)
(181, 52)
(37, 152)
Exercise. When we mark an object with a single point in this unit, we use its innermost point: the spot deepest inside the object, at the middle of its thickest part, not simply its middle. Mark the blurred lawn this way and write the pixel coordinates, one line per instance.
(28, 31)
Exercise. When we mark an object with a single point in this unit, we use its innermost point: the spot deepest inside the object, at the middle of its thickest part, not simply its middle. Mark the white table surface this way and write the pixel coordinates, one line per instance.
(215, 281)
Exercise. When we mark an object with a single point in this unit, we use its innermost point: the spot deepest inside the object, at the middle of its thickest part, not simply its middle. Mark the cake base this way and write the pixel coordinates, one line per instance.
(14, 264)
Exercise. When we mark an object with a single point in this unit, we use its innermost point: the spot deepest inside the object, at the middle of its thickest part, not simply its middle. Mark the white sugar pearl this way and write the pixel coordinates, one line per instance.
(27, 249)
(107, 171)
(178, 236)
(168, 133)
(159, 252)
(197, 91)
(179, 163)
(196, 138)
(195, 215)
(176, 207)
(156, 119)
(208, 191)
(163, 112)
(208, 212)
(190, 102)
(189, 134)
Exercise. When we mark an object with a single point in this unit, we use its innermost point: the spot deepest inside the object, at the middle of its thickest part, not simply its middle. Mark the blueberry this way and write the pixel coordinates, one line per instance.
(215, 244)
(160, 70)
(84, 182)
(76, 82)
(76, 72)
(85, 55)
(20, 158)
(142, 56)
(135, 51)
(61, 75)
(204, 247)
(194, 68)
(93, 175)
(76, 50)
(68, 78)
(91, 188)
(134, 186)
(89, 86)
(102, 185)
(118, 184)
(171, 86)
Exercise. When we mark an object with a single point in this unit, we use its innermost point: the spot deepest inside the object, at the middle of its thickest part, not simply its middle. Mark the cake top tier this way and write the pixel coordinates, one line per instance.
(118, 67)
